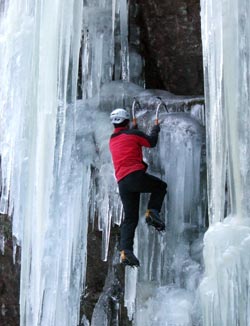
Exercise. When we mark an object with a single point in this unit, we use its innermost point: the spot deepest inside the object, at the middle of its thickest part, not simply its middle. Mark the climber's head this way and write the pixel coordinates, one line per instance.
(119, 117)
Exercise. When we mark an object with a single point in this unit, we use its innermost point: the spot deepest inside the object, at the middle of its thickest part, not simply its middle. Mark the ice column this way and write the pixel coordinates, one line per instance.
(124, 39)
(166, 287)
(104, 56)
(105, 52)
(226, 42)
(42, 174)
(216, 146)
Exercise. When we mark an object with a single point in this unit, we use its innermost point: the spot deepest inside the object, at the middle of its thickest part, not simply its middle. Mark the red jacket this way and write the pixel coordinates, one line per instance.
(126, 149)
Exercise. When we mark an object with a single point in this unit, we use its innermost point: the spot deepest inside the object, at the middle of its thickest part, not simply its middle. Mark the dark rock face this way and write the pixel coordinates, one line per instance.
(95, 274)
(104, 281)
(171, 45)
(9, 278)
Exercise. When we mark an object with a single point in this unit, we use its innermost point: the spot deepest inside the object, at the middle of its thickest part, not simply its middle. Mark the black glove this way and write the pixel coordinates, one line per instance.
(156, 128)
(134, 126)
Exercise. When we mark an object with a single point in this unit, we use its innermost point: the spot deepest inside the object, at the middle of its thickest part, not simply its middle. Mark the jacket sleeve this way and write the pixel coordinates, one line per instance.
(148, 140)
(153, 136)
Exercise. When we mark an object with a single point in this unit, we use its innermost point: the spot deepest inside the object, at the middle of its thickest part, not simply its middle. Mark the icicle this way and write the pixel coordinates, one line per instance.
(130, 285)
(2, 243)
(124, 39)
(225, 36)
(41, 42)
(215, 116)
(97, 58)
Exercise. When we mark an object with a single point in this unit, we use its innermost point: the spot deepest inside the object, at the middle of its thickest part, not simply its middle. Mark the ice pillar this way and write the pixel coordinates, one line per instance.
(42, 178)
(226, 39)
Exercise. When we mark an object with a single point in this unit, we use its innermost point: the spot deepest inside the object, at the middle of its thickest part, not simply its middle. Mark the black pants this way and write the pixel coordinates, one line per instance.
(130, 189)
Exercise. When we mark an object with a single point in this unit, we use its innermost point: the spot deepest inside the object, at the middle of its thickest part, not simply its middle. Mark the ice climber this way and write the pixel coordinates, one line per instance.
(130, 171)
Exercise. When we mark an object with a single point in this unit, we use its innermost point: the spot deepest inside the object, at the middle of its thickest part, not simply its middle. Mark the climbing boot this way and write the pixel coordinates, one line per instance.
(128, 258)
(153, 218)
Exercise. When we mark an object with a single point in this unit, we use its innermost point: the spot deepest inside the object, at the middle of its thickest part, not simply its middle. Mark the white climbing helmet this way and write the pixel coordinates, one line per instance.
(119, 115)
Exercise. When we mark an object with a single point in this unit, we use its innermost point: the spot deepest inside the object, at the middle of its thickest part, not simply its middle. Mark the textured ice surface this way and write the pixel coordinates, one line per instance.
(226, 39)
(44, 184)
(56, 170)
(225, 287)
(164, 306)
(171, 263)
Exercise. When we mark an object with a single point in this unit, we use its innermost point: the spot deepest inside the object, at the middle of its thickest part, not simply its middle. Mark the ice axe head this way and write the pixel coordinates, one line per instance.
(157, 110)
(135, 103)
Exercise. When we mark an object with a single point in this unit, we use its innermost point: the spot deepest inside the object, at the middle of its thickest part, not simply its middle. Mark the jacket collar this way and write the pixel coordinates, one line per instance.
(120, 129)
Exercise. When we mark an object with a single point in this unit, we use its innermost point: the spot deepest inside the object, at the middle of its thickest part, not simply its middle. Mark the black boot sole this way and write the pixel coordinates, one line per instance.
(157, 224)
(126, 262)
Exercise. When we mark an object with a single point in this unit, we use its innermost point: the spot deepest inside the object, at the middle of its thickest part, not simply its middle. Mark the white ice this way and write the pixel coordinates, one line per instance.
(57, 172)
(38, 57)
(225, 36)
(171, 262)
(54, 169)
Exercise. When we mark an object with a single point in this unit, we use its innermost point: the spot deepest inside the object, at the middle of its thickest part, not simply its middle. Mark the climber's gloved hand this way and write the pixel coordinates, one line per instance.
(156, 128)
(134, 126)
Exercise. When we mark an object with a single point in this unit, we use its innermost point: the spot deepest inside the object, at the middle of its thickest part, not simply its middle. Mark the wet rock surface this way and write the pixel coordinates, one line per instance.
(170, 42)
(9, 277)
(104, 290)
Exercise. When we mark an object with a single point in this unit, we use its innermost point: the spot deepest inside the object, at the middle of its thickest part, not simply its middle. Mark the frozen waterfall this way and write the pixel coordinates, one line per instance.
(55, 172)
(43, 181)
(226, 40)
(64, 66)
(164, 290)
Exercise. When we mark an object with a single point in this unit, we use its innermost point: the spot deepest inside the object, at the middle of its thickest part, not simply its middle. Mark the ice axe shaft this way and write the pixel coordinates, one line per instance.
(135, 103)
(158, 108)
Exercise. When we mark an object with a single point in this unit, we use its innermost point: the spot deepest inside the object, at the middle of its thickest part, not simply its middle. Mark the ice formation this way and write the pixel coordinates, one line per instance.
(56, 169)
(171, 262)
(45, 193)
(50, 156)
(226, 39)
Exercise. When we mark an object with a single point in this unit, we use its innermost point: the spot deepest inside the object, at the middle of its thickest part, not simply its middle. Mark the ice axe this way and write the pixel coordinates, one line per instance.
(157, 109)
(134, 105)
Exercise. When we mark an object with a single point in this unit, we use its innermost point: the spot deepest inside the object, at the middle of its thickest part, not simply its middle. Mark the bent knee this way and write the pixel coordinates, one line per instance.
(164, 186)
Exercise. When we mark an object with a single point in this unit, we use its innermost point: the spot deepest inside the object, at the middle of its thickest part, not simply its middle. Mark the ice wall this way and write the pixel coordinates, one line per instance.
(226, 39)
(164, 289)
(105, 54)
(42, 174)
(56, 171)
(105, 84)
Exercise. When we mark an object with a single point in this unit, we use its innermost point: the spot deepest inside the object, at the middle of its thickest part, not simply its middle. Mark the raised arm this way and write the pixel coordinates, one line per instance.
(144, 139)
